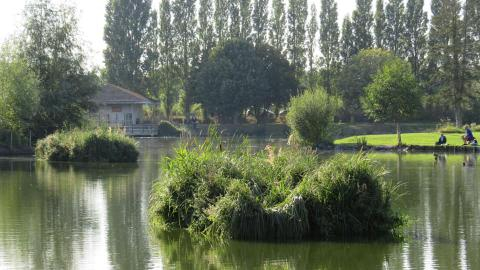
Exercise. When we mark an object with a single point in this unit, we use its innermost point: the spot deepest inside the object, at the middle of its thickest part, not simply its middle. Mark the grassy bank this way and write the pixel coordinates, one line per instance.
(420, 139)
(289, 194)
(99, 145)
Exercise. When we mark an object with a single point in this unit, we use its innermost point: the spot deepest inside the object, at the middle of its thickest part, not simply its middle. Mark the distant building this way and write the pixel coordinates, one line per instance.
(120, 107)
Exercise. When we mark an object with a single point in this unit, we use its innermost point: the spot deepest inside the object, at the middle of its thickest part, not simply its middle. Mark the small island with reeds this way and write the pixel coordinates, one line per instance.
(96, 145)
(225, 190)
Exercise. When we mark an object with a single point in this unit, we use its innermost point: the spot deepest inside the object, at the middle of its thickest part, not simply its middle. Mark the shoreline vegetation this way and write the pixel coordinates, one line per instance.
(227, 191)
(96, 145)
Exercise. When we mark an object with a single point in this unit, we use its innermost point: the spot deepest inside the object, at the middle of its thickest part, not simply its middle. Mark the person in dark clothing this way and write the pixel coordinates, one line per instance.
(468, 138)
(442, 140)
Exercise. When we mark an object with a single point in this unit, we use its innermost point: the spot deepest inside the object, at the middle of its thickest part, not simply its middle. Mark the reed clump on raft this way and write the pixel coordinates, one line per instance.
(233, 192)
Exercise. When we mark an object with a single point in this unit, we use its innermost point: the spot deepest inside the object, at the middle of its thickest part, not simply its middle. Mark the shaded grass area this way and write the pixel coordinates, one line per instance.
(287, 194)
(421, 139)
(98, 145)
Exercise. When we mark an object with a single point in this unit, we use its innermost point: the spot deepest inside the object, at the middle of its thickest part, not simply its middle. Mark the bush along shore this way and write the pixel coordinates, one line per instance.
(287, 194)
(98, 145)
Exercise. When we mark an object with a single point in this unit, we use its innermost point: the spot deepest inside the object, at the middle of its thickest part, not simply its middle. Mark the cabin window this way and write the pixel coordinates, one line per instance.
(116, 108)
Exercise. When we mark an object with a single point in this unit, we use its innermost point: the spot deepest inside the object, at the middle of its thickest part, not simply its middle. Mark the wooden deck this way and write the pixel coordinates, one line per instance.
(141, 130)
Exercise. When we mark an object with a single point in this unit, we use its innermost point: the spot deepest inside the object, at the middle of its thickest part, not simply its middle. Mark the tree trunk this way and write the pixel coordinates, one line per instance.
(11, 140)
(399, 135)
(458, 118)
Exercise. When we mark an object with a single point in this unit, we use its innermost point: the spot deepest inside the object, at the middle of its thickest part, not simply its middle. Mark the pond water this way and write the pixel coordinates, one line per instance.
(78, 216)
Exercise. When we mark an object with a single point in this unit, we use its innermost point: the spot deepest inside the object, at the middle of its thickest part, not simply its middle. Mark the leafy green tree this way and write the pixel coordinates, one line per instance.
(260, 20)
(311, 117)
(329, 42)
(19, 93)
(395, 27)
(126, 35)
(416, 27)
(296, 19)
(380, 24)
(393, 95)
(312, 29)
(362, 23)
(51, 48)
(347, 47)
(238, 76)
(356, 76)
(277, 25)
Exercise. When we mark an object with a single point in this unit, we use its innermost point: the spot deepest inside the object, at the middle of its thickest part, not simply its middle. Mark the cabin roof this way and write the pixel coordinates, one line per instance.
(113, 94)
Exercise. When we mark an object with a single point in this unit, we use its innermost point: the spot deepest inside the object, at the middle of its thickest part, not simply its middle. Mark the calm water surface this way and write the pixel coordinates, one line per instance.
(77, 216)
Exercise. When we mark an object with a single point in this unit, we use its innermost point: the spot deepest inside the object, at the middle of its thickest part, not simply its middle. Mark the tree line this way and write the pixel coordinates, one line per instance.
(155, 52)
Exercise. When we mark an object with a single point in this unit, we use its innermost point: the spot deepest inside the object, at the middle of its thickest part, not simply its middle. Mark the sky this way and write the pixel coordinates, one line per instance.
(92, 19)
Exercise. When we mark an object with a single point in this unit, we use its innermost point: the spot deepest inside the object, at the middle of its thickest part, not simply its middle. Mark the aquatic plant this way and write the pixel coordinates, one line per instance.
(226, 191)
(95, 145)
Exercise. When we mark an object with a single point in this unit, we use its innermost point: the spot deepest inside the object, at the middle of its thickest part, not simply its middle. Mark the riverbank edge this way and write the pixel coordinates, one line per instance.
(410, 148)
(24, 151)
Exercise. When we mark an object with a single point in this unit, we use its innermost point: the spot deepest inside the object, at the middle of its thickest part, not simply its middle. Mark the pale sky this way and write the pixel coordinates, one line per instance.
(91, 21)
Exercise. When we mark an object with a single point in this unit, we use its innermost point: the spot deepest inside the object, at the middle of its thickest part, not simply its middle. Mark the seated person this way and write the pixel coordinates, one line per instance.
(468, 137)
(442, 140)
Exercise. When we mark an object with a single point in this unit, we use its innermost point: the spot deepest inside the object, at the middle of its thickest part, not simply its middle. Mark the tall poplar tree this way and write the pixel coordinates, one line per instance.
(126, 32)
(380, 24)
(395, 28)
(416, 27)
(329, 42)
(234, 19)
(296, 18)
(168, 92)
(453, 54)
(260, 20)
(312, 29)
(186, 43)
(220, 18)
(362, 23)
(205, 27)
(277, 25)
(347, 47)
(245, 18)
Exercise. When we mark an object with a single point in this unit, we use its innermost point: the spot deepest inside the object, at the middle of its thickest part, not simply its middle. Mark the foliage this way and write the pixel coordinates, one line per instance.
(277, 25)
(167, 129)
(329, 42)
(311, 116)
(99, 145)
(357, 75)
(126, 34)
(51, 47)
(238, 76)
(393, 95)
(287, 194)
(19, 91)
(362, 23)
(297, 14)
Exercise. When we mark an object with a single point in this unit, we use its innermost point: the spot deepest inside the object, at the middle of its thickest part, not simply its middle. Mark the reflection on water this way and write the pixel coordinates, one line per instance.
(94, 216)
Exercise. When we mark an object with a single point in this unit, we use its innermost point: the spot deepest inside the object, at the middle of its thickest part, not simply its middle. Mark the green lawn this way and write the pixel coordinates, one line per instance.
(422, 139)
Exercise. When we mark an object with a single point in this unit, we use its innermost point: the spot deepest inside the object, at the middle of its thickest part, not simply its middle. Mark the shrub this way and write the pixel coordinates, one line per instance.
(99, 145)
(230, 192)
(311, 117)
(167, 129)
